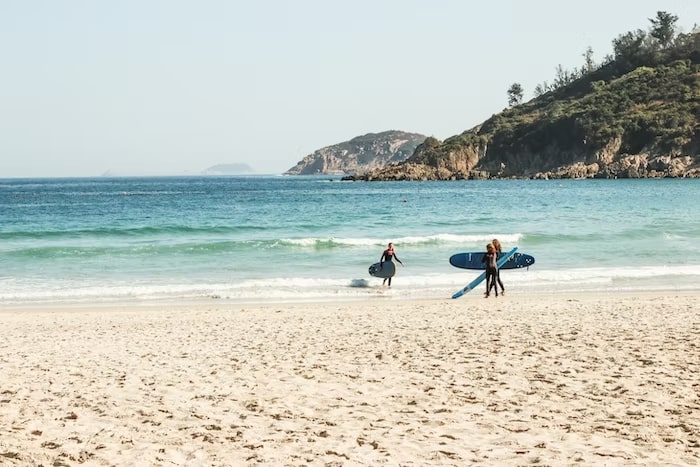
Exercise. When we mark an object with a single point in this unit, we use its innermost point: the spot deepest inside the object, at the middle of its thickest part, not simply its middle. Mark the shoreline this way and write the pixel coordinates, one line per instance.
(394, 297)
(546, 379)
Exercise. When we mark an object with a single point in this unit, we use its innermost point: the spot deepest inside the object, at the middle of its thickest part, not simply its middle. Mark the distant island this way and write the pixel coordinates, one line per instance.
(228, 169)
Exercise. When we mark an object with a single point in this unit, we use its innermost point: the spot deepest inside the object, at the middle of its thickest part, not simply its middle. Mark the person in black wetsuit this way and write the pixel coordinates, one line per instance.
(388, 255)
(499, 251)
(491, 259)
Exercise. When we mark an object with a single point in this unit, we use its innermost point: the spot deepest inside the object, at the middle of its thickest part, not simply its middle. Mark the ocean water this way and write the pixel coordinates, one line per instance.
(274, 238)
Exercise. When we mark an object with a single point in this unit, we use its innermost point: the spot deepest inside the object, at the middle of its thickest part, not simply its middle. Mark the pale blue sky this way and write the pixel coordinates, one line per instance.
(150, 87)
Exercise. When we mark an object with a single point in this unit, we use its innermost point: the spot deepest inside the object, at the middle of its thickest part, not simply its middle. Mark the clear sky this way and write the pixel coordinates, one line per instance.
(155, 87)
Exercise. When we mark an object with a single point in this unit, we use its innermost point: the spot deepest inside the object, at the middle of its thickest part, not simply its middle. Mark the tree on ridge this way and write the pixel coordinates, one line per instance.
(663, 27)
(515, 95)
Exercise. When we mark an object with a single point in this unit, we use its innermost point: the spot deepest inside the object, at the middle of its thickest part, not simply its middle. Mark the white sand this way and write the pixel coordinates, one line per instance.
(548, 380)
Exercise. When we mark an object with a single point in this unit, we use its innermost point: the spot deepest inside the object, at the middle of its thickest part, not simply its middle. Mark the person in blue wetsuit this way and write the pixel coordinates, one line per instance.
(388, 255)
(491, 260)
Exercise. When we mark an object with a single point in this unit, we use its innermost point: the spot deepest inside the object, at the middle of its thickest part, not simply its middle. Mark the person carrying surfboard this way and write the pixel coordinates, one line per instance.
(499, 251)
(490, 258)
(388, 255)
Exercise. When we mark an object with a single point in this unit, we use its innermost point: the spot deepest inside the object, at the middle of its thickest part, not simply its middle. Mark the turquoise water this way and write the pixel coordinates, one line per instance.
(313, 238)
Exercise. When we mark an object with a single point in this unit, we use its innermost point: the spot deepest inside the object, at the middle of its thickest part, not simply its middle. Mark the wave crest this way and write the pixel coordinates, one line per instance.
(437, 239)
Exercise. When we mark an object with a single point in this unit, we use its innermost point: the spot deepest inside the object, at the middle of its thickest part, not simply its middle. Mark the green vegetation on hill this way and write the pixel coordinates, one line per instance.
(638, 114)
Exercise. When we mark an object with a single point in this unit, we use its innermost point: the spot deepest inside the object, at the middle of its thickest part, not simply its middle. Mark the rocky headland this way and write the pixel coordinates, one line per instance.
(635, 116)
(360, 154)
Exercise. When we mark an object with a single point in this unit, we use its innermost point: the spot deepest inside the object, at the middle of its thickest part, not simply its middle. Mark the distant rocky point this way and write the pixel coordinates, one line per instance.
(360, 154)
(228, 169)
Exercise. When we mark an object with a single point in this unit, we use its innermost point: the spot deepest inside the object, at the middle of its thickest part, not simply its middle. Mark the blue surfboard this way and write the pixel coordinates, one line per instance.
(472, 285)
(472, 260)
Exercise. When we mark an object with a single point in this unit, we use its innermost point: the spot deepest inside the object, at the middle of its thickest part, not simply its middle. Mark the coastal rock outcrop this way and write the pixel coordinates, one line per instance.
(646, 165)
(360, 154)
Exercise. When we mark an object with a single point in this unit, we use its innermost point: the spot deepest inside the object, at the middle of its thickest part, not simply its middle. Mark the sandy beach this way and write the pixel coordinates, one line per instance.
(536, 380)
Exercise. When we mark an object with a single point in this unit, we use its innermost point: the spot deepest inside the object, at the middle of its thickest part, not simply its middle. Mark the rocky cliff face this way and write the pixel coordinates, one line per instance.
(598, 165)
(360, 154)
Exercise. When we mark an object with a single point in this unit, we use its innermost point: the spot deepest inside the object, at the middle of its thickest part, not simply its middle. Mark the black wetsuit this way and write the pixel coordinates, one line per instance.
(498, 276)
(388, 255)
(491, 271)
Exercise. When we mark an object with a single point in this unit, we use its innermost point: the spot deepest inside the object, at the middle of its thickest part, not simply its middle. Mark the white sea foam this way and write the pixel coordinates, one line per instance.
(445, 238)
(405, 284)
